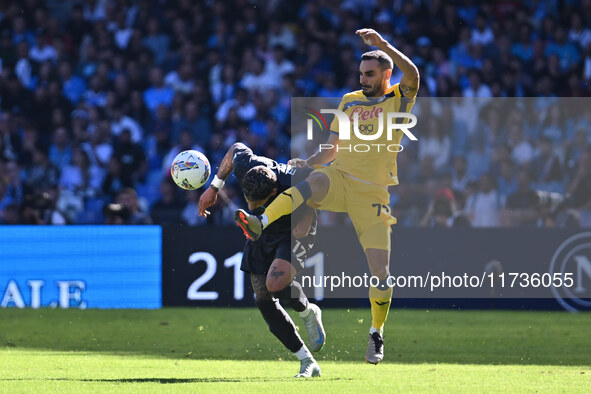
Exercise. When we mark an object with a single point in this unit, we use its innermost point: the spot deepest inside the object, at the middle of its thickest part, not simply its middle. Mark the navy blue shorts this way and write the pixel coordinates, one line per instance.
(259, 255)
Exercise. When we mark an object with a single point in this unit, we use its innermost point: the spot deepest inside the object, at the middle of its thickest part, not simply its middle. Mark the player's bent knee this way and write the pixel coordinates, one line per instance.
(379, 262)
(275, 286)
(279, 276)
(319, 184)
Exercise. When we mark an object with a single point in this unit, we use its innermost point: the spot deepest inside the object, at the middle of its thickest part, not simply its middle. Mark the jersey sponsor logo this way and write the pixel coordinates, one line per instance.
(366, 114)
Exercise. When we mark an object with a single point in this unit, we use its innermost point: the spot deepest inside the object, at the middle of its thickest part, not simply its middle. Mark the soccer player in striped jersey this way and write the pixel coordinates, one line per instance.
(273, 259)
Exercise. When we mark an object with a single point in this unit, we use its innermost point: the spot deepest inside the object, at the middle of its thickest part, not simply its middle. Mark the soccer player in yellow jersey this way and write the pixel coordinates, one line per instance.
(357, 180)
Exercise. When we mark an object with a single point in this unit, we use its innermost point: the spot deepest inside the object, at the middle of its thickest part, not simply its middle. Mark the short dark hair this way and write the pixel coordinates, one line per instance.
(381, 56)
(258, 183)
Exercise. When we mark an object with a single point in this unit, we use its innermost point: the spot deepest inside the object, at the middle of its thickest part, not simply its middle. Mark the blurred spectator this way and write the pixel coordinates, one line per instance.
(138, 110)
(168, 209)
(567, 52)
(245, 109)
(81, 177)
(40, 208)
(523, 151)
(278, 65)
(128, 198)
(120, 122)
(279, 34)
(522, 205)
(41, 174)
(156, 41)
(181, 81)
(116, 214)
(259, 80)
(160, 128)
(131, 156)
(95, 95)
(484, 206)
(475, 86)
(507, 181)
(5, 199)
(223, 89)
(190, 213)
(100, 147)
(122, 32)
(60, 151)
(41, 51)
(197, 124)
(13, 185)
(482, 34)
(576, 148)
(442, 211)
(157, 94)
(578, 32)
(116, 179)
(580, 185)
(435, 144)
(547, 166)
(459, 174)
(73, 87)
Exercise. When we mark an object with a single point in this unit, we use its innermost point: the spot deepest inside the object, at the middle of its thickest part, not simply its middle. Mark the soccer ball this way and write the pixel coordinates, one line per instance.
(190, 169)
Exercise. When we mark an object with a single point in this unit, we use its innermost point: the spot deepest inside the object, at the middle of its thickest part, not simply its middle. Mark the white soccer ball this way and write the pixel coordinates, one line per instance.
(190, 169)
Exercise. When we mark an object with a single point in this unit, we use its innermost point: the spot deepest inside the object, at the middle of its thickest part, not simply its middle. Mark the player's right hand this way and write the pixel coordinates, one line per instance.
(208, 198)
(298, 163)
(370, 37)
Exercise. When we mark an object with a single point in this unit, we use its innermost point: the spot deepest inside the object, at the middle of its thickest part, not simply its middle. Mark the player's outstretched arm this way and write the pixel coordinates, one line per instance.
(409, 83)
(321, 156)
(209, 197)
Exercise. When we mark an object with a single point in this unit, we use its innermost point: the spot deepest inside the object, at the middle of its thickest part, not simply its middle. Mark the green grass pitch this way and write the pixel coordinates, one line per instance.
(231, 350)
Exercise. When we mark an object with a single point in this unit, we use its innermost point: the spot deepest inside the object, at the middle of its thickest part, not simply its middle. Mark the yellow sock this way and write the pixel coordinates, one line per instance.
(380, 305)
(284, 204)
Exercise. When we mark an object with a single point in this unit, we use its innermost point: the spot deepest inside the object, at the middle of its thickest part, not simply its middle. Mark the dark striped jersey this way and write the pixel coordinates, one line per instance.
(287, 176)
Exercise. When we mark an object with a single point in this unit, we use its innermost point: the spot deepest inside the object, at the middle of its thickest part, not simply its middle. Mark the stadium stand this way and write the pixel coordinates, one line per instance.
(97, 96)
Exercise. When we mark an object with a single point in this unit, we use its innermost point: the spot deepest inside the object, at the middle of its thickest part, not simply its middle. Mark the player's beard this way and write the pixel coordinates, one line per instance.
(372, 92)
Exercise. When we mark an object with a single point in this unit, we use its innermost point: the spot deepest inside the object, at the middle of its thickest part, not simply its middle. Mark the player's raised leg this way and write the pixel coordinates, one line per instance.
(314, 189)
(280, 284)
(281, 325)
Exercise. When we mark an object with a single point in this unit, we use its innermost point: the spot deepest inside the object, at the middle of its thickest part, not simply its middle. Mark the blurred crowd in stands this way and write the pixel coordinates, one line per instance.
(98, 96)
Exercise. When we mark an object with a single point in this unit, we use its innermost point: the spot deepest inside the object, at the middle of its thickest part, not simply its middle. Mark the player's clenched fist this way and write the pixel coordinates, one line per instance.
(370, 36)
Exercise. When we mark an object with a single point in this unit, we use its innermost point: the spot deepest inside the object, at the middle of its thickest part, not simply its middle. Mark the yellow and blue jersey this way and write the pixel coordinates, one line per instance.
(371, 161)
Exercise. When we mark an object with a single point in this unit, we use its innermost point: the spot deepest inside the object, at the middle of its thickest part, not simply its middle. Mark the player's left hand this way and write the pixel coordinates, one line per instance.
(370, 36)
(208, 198)
(298, 163)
